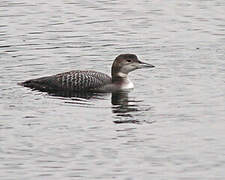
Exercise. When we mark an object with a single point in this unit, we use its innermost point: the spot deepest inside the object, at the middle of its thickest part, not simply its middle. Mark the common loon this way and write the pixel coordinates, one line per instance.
(91, 81)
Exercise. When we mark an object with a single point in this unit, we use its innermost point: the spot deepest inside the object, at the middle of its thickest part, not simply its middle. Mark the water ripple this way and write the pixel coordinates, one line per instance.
(171, 124)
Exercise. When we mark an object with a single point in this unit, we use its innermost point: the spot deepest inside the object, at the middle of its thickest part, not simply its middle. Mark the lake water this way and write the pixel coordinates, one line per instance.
(171, 126)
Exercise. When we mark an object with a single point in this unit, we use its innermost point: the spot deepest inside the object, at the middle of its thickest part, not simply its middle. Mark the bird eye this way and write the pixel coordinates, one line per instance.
(128, 60)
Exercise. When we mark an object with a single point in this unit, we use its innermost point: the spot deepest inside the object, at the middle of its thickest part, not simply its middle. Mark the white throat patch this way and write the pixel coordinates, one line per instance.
(123, 75)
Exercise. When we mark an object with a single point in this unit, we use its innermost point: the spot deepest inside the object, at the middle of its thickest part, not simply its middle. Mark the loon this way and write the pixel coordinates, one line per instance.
(91, 81)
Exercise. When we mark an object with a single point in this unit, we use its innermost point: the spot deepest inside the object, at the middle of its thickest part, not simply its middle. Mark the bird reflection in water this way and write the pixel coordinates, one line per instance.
(79, 95)
(124, 108)
(78, 98)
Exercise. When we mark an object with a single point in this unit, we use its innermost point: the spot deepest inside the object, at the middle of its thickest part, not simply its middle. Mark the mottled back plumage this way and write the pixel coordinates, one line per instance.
(70, 81)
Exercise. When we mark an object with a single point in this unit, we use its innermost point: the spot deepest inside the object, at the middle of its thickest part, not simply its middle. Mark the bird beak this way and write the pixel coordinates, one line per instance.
(145, 65)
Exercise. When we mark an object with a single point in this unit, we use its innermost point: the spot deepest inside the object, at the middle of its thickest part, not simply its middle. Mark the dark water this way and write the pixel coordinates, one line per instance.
(171, 126)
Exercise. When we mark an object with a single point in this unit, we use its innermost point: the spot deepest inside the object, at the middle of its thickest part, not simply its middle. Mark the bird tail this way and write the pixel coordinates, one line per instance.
(27, 83)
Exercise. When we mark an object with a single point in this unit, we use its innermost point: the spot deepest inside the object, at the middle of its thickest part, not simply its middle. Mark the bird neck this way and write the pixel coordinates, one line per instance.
(119, 77)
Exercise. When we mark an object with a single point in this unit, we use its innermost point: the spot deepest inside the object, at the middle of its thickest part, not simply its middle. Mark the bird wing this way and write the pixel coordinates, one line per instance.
(82, 80)
(71, 81)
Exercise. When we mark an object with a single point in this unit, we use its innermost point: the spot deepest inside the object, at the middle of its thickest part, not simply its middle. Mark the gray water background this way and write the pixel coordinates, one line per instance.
(171, 126)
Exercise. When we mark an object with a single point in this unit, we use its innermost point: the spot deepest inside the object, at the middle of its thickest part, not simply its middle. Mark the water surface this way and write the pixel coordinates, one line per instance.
(171, 126)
